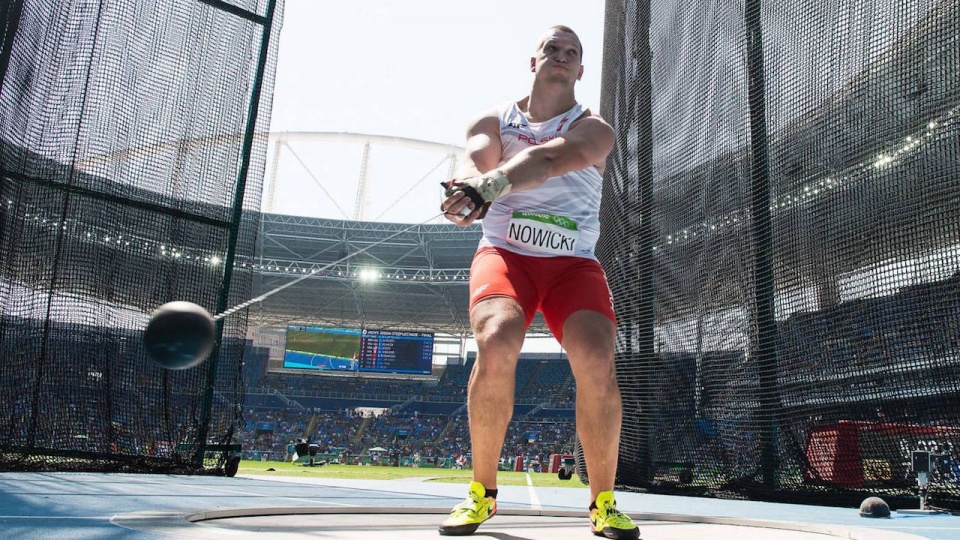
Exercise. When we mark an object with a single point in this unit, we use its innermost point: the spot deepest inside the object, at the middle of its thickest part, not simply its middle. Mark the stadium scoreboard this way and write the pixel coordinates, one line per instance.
(396, 352)
(368, 350)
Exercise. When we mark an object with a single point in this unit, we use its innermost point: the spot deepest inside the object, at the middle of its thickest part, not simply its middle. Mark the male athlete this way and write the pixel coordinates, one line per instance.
(533, 173)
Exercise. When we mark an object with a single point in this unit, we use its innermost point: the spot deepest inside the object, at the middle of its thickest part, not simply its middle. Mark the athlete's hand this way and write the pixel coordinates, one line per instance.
(480, 190)
(458, 207)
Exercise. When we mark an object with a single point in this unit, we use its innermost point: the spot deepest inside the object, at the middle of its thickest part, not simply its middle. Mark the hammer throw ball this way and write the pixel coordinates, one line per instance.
(179, 335)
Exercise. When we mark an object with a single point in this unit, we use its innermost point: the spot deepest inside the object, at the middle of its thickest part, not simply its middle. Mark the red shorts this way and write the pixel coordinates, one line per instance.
(555, 286)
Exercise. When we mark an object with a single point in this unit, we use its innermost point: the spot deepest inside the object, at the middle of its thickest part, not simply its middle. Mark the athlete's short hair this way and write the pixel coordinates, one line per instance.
(565, 30)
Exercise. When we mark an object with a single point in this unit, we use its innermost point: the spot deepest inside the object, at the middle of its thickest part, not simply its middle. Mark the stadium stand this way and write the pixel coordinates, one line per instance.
(424, 422)
(419, 418)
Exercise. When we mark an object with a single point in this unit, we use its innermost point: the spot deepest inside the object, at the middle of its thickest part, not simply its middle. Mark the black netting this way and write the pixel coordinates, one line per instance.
(124, 142)
(782, 225)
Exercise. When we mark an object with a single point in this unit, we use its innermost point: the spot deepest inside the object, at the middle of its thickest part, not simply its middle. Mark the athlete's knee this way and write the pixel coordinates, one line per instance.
(497, 356)
(597, 373)
(498, 328)
(589, 340)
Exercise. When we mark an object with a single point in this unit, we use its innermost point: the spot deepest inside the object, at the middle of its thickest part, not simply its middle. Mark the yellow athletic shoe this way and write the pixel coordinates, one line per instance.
(606, 520)
(468, 515)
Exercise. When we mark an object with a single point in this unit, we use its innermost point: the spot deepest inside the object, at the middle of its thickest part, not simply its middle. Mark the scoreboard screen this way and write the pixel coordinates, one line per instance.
(322, 349)
(345, 349)
(396, 352)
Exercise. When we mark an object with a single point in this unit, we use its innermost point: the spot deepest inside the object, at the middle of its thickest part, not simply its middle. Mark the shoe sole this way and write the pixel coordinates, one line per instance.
(459, 530)
(462, 530)
(617, 534)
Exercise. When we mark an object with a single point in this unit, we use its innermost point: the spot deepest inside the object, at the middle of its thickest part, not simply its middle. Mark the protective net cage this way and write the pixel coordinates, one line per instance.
(131, 156)
(782, 235)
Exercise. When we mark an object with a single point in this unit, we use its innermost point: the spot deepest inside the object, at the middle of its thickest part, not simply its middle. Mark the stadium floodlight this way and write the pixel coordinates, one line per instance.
(368, 274)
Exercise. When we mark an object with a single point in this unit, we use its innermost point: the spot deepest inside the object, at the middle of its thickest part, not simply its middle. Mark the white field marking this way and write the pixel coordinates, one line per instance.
(534, 500)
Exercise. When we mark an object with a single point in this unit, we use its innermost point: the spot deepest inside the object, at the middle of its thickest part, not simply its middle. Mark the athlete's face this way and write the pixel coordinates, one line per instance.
(558, 58)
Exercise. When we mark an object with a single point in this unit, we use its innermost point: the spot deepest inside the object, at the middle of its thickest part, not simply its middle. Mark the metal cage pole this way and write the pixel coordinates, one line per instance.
(223, 297)
(765, 347)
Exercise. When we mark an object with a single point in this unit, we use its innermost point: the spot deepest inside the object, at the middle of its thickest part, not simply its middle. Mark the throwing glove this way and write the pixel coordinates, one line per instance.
(482, 190)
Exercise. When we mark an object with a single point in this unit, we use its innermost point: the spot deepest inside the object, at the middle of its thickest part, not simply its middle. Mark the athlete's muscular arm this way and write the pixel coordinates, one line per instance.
(587, 143)
(483, 153)
(483, 146)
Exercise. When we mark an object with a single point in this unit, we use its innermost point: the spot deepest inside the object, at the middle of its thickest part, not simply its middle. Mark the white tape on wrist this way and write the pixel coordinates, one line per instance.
(492, 185)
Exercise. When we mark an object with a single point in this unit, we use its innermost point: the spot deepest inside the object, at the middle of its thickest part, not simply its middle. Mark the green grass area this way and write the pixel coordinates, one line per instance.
(339, 345)
(358, 472)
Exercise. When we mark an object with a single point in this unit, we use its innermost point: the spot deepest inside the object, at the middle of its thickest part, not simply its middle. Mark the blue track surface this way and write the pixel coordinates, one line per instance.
(81, 505)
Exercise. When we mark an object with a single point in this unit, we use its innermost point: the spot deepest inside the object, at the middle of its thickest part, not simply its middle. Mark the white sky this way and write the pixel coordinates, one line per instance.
(419, 69)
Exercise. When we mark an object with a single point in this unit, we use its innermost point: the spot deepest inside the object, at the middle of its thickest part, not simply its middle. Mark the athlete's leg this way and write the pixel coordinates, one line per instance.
(589, 337)
(503, 302)
(499, 325)
(579, 311)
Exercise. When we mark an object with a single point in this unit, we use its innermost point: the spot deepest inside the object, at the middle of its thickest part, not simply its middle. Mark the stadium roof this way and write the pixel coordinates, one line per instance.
(412, 277)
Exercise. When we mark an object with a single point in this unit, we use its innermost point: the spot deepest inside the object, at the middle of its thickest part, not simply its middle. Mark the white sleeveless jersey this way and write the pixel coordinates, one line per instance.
(559, 217)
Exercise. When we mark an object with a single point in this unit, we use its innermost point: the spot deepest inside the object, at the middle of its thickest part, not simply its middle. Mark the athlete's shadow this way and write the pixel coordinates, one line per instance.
(505, 536)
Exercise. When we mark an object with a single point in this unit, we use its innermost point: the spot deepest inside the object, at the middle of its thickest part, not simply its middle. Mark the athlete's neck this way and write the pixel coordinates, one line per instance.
(544, 105)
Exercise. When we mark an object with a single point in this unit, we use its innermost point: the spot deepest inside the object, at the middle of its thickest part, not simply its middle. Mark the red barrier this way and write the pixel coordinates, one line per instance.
(855, 454)
(556, 461)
